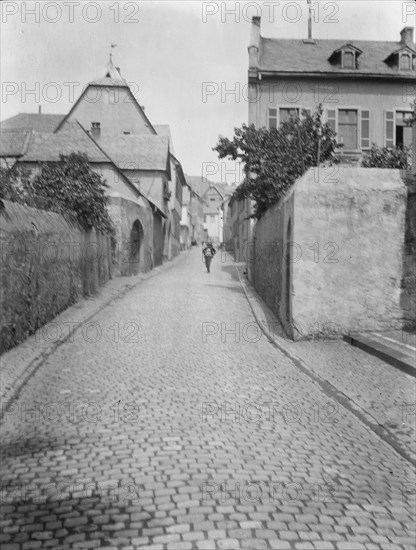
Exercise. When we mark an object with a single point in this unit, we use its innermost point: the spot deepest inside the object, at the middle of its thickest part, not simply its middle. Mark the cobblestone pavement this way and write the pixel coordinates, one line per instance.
(386, 394)
(156, 428)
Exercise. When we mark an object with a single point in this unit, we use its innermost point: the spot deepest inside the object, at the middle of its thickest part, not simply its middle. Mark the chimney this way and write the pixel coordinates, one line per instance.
(253, 49)
(96, 130)
(40, 109)
(407, 36)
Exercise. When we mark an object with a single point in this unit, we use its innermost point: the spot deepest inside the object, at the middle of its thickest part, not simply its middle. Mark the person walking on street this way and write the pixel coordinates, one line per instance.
(208, 251)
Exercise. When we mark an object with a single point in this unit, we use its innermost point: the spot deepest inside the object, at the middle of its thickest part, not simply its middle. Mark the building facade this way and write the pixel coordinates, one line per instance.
(366, 89)
(142, 164)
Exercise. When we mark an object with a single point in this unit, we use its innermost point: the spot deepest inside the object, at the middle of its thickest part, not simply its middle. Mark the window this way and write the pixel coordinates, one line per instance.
(349, 60)
(365, 130)
(403, 132)
(286, 114)
(126, 133)
(331, 118)
(212, 199)
(272, 118)
(348, 129)
(405, 62)
(95, 129)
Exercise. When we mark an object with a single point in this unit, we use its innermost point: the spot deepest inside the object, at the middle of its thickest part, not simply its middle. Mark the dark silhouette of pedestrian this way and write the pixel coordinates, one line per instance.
(208, 251)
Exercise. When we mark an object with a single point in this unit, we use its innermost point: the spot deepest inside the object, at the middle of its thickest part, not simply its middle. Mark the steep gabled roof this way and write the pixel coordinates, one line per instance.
(47, 147)
(138, 152)
(164, 130)
(299, 56)
(111, 77)
(29, 121)
(14, 143)
(199, 184)
(216, 188)
(113, 80)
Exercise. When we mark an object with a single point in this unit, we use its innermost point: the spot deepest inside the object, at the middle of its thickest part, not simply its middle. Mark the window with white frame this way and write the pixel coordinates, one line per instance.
(285, 114)
(348, 128)
(352, 126)
(405, 62)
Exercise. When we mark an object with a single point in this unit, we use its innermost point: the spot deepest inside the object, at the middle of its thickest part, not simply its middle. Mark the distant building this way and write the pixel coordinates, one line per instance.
(213, 195)
(192, 231)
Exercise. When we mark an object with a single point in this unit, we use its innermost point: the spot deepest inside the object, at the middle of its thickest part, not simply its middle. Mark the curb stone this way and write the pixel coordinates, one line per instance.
(264, 317)
(20, 363)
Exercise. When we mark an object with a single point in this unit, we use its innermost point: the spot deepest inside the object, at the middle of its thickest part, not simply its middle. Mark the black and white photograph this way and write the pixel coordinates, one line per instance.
(208, 275)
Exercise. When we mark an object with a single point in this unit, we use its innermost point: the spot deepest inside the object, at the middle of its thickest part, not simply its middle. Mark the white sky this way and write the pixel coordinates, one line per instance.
(168, 50)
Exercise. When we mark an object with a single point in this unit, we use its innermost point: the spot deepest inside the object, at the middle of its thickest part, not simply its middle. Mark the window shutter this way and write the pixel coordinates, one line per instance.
(272, 121)
(389, 129)
(331, 118)
(365, 130)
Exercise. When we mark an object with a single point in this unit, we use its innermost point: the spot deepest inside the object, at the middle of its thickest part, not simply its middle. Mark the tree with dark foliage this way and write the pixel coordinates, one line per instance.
(69, 187)
(274, 159)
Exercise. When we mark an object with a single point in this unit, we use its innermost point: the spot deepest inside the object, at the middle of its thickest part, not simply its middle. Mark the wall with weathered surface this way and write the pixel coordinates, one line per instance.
(124, 214)
(152, 184)
(267, 258)
(46, 265)
(357, 218)
(408, 297)
(352, 252)
(308, 93)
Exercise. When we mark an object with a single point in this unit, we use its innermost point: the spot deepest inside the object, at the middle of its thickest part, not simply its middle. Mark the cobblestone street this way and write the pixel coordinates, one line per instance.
(171, 422)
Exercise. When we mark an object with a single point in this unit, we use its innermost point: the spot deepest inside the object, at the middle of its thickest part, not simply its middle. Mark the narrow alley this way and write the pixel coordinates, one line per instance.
(173, 423)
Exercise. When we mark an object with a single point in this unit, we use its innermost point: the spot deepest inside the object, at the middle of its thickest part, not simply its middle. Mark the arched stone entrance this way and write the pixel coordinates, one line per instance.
(136, 239)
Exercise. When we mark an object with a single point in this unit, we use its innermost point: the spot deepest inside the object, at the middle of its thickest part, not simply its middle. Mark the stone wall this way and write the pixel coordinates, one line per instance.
(46, 265)
(348, 267)
(268, 258)
(124, 213)
(408, 297)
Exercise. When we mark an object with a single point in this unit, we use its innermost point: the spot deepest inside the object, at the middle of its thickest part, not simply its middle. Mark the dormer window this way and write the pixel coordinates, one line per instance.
(403, 59)
(348, 60)
(345, 57)
(405, 62)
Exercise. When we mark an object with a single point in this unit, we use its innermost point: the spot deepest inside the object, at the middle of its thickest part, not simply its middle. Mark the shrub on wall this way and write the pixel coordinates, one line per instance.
(69, 187)
(385, 157)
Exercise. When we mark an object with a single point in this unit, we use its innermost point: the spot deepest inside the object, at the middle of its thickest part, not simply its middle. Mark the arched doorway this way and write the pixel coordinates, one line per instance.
(136, 238)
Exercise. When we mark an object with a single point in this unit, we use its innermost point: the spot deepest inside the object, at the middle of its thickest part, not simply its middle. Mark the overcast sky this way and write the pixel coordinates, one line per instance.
(167, 50)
